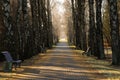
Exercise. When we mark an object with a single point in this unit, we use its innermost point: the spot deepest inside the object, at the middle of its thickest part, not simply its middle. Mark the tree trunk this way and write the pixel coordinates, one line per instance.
(83, 42)
(73, 17)
(8, 26)
(99, 34)
(92, 33)
(114, 24)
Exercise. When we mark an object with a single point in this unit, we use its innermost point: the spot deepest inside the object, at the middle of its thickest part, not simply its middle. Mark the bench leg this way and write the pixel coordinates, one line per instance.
(8, 67)
(15, 65)
(19, 65)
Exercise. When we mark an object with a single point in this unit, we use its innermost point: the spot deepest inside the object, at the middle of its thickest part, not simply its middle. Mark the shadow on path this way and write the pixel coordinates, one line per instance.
(62, 63)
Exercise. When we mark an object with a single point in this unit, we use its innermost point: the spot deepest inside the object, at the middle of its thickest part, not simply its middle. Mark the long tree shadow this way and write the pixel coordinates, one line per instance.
(62, 63)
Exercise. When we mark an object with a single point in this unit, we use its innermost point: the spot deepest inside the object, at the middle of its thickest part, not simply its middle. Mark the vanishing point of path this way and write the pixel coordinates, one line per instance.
(63, 62)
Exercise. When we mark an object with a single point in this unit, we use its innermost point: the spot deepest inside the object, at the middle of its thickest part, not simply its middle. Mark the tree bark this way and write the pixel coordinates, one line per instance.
(92, 33)
(99, 34)
(114, 24)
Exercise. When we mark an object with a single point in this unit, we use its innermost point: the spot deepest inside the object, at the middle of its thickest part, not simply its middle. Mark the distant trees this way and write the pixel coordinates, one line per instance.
(69, 25)
(78, 11)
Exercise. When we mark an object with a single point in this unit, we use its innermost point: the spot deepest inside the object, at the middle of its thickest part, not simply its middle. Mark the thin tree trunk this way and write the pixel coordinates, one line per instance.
(25, 34)
(84, 44)
(18, 36)
(73, 17)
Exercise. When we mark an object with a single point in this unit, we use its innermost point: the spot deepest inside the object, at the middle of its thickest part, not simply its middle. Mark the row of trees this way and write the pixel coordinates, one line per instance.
(95, 39)
(25, 27)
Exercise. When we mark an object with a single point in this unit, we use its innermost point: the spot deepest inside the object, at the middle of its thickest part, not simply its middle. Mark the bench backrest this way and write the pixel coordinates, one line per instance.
(87, 49)
(7, 56)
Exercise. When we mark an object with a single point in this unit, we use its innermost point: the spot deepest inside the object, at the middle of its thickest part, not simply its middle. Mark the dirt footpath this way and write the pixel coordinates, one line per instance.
(63, 62)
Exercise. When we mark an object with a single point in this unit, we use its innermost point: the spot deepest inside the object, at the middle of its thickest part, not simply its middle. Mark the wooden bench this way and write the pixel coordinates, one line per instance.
(86, 52)
(9, 59)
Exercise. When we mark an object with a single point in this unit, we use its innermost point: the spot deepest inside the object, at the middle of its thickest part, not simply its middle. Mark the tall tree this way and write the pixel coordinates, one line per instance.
(78, 13)
(99, 34)
(92, 29)
(50, 38)
(114, 24)
(18, 36)
(25, 47)
(77, 23)
(2, 29)
(83, 42)
(7, 22)
(73, 17)
(34, 7)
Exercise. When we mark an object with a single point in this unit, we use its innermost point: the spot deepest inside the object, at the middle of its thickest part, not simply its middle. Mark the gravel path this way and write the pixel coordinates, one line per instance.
(62, 62)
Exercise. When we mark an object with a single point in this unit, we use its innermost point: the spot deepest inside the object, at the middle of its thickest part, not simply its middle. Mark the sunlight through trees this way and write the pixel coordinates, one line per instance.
(29, 27)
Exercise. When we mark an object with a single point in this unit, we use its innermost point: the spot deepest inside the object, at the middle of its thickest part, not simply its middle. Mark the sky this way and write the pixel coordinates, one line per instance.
(60, 1)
